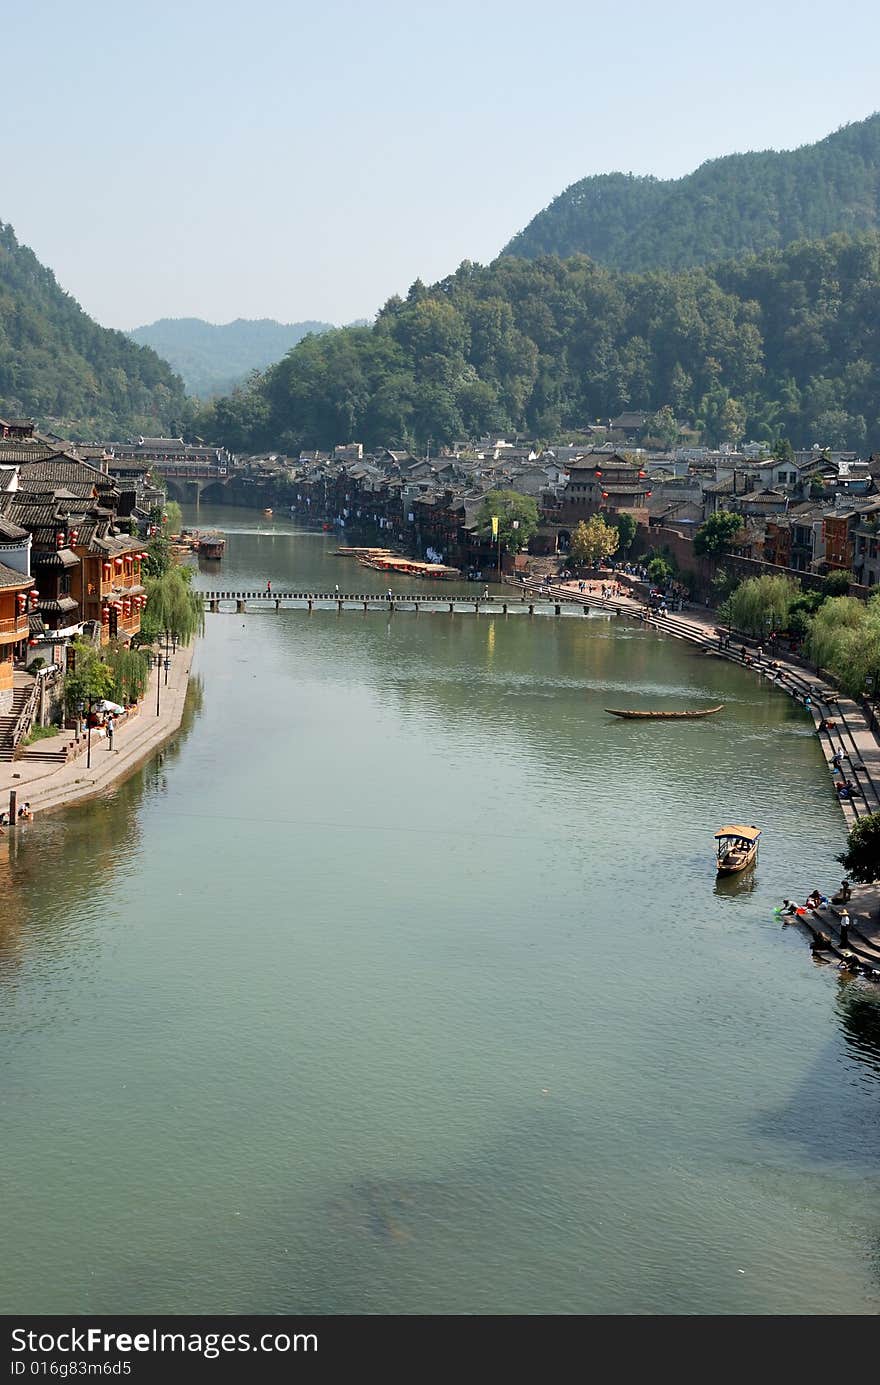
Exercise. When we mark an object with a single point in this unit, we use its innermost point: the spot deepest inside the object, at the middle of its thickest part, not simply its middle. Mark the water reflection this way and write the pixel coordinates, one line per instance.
(858, 1006)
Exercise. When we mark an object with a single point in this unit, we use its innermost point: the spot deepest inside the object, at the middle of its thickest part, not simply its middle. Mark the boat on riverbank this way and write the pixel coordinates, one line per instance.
(664, 716)
(737, 847)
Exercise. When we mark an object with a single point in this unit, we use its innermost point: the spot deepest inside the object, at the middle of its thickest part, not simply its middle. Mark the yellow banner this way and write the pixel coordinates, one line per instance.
(494, 526)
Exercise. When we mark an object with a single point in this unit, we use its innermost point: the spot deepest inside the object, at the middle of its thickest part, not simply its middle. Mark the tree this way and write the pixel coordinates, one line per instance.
(762, 604)
(626, 528)
(592, 541)
(845, 639)
(89, 680)
(130, 670)
(517, 518)
(172, 517)
(783, 451)
(173, 608)
(861, 859)
(659, 571)
(160, 556)
(717, 534)
(664, 427)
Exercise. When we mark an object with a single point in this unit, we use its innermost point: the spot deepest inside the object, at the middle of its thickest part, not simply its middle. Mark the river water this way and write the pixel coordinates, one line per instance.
(401, 982)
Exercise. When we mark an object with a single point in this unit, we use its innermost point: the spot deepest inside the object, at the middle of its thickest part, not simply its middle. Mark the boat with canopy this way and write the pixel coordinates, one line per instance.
(737, 847)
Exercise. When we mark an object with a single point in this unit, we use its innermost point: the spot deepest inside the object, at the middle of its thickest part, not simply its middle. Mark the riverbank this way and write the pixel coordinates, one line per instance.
(47, 787)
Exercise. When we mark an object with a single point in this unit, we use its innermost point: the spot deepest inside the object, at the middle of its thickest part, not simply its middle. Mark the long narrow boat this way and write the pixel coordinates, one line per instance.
(665, 716)
(737, 847)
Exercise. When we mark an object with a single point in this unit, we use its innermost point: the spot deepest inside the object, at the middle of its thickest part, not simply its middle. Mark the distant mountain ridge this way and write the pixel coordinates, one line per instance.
(740, 204)
(61, 367)
(212, 359)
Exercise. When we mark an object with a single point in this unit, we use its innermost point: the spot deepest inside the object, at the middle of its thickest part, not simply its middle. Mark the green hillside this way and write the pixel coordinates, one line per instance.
(738, 205)
(214, 359)
(58, 366)
(786, 342)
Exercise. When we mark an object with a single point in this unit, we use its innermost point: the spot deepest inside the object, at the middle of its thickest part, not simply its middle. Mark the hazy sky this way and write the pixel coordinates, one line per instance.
(279, 159)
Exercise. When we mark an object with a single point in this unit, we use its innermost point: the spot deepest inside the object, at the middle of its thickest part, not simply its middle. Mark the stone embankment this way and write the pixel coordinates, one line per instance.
(47, 784)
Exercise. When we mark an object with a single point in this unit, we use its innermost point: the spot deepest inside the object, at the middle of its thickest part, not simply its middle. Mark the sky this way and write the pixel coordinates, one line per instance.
(199, 158)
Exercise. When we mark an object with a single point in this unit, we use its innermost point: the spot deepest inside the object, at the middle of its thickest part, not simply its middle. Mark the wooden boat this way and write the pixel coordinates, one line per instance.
(737, 847)
(665, 716)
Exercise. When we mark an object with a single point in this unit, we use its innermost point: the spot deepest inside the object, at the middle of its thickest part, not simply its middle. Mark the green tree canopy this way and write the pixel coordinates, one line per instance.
(90, 678)
(626, 528)
(762, 604)
(130, 670)
(845, 639)
(172, 608)
(716, 536)
(517, 518)
(659, 571)
(861, 859)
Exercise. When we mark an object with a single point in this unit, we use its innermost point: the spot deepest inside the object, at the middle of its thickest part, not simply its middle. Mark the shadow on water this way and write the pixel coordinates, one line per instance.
(827, 1111)
(735, 886)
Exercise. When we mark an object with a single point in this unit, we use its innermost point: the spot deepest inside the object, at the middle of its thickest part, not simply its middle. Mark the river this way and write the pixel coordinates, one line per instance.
(401, 982)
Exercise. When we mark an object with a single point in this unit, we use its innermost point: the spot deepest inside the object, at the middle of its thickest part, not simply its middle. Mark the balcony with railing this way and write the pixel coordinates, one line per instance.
(13, 628)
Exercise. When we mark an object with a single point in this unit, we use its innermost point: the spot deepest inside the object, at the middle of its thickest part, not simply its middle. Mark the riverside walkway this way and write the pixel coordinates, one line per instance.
(46, 785)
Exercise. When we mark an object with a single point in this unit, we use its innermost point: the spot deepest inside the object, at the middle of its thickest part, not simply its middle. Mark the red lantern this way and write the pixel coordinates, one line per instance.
(22, 603)
(59, 539)
(126, 609)
(604, 495)
(31, 643)
(35, 595)
(642, 475)
(108, 572)
(649, 492)
(118, 562)
(105, 615)
(598, 473)
(74, 536)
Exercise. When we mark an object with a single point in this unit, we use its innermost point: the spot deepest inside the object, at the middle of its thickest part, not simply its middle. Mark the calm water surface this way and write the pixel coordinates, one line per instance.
(402, 983)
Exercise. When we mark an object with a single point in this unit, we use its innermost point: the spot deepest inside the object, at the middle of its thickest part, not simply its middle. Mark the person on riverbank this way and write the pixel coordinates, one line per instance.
(110, 727)
(269, 587)
(844, 928)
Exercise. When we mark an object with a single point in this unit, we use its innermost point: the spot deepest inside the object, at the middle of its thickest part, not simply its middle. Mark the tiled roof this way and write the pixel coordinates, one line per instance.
(9, 577)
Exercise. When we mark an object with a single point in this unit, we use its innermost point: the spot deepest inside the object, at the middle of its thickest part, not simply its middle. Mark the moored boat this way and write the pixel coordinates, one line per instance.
(737, 847)
(664, 716)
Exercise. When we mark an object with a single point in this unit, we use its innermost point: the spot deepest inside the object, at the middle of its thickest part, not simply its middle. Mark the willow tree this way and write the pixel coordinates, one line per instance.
(845, 639)
(131, 671)
(762, 604)
(173, 609)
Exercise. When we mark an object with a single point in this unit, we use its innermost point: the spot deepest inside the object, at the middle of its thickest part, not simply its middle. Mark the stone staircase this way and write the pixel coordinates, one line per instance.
(22, 688)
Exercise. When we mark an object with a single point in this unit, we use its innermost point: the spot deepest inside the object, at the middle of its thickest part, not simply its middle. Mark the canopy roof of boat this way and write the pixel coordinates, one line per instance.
(751, 834)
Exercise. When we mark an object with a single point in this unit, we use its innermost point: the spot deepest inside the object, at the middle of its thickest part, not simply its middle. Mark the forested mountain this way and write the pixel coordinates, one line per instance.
(786, 342)
(740, 204)
(60, 367)
(213, 359)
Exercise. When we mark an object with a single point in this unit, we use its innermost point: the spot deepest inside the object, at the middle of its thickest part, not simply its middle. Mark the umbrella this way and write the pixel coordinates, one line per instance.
(105, 706)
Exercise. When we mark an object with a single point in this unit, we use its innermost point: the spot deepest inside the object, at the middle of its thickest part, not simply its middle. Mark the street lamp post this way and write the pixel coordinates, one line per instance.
(82, 708)
(158, 678)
